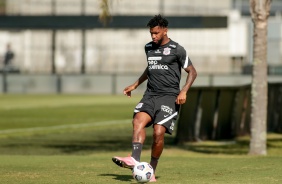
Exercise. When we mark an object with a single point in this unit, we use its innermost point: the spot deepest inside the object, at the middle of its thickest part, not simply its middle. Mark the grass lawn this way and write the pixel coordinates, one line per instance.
(70, 139)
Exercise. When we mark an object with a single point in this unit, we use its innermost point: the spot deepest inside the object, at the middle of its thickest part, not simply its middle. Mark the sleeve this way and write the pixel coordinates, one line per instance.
(183, 57)
(147, 47)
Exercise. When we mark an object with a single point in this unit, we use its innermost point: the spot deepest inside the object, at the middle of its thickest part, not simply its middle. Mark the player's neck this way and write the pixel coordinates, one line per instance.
(165, 41)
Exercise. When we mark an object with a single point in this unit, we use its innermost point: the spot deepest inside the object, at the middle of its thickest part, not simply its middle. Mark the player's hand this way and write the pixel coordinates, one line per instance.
(181, 98)
(128, 89)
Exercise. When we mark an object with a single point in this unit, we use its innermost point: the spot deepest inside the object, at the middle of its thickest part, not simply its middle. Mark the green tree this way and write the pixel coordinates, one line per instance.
(260, 12)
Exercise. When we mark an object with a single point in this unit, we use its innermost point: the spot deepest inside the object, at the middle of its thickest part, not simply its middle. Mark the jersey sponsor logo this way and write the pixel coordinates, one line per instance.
(155, 58)
(158, 67)
(154, 64)
(166, 51)
(166, 109)
(148, 45)
(173, 46)
(158, 51)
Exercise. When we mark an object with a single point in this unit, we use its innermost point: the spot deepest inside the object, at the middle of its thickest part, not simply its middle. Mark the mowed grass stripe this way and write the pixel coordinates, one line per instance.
(50, 111)
(17, 102)
(60, 127)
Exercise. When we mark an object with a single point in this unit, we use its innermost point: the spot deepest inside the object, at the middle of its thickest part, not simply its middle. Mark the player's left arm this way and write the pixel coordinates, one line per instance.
(192, 74)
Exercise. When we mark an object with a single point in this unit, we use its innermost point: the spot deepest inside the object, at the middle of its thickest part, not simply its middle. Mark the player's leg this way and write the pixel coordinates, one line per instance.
(139, 122)
(157, 145)
(141, 119)
(165, 118)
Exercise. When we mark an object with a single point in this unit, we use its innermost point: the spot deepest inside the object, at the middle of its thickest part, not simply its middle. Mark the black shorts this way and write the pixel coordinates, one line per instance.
(162, 109)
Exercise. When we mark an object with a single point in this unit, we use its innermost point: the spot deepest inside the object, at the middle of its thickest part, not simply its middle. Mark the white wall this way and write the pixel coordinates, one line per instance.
(122, 50)
(120, 7)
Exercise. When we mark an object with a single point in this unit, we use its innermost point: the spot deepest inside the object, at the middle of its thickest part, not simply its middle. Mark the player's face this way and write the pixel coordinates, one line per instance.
(158, 33)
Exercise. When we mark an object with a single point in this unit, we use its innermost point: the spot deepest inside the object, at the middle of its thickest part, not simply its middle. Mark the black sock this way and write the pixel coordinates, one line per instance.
(136, 150)
(154, 163)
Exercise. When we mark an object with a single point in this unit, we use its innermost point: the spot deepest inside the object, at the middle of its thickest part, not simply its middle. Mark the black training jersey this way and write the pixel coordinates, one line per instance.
(164, 67)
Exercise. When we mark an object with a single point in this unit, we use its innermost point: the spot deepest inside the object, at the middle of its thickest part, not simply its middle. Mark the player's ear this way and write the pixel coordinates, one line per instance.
(165, 31)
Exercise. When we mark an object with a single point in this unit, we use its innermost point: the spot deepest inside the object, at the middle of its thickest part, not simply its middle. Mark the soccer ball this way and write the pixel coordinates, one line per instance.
(143, 172)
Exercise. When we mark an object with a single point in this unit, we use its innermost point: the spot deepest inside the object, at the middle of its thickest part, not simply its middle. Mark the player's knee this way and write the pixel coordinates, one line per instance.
(140, 120)
(137, 124)
(158, 136)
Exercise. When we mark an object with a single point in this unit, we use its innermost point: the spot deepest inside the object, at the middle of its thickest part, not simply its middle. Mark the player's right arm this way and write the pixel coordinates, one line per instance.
(142, 78)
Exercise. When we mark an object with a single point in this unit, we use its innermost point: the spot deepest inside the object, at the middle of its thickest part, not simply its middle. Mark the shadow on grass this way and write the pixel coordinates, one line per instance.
(229, 147)
(87, 144)
(118, 177)
(73, 146)
(111, 144)
(218, 147)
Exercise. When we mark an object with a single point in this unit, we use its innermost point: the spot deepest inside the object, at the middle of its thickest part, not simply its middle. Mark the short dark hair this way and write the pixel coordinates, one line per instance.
(157, 20)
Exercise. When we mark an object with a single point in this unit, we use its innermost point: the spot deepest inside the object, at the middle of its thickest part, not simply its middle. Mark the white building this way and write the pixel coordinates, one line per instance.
(121, 50)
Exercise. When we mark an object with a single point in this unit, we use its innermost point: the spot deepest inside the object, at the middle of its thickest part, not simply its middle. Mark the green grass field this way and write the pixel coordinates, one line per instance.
(70, 139)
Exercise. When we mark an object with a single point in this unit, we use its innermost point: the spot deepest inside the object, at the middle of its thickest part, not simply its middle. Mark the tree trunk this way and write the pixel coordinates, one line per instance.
(260, 12)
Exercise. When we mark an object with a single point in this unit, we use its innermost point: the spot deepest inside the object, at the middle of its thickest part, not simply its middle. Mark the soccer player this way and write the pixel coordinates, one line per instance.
(161, 101)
